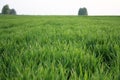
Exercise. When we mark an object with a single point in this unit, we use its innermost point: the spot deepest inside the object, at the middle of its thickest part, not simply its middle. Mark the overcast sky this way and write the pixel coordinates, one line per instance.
(63, 7)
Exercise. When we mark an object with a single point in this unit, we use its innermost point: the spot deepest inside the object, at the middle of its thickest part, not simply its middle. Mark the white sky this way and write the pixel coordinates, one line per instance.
(63, 7)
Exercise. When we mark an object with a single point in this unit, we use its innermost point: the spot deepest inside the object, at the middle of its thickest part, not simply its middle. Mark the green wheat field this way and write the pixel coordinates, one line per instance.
(59, 47)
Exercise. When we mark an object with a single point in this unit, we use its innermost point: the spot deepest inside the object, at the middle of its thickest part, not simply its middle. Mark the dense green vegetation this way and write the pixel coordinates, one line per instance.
(59, 48)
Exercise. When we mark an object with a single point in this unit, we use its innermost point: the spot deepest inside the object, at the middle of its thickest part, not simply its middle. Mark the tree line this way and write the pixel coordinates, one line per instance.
(7, 10)
(83, 11)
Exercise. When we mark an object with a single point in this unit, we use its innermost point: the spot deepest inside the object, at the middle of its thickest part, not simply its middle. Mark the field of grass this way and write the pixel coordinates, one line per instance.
(59, 48)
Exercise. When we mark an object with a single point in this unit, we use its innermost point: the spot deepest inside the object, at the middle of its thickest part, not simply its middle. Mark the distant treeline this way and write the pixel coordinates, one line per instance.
(83, 11)
(7, 10)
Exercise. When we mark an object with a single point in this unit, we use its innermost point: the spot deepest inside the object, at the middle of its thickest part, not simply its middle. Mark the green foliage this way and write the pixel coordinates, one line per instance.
(59, 48)
(83, 11)
(12, 12)
(7, 10)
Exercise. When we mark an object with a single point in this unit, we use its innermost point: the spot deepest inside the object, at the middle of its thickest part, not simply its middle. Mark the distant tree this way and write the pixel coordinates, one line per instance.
(83, 11)
(12, 11)
(5, 9)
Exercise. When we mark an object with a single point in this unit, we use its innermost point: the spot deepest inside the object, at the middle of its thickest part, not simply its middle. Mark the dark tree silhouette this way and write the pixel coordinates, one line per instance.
(12, 11)
(83, 11)
(5, 9)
